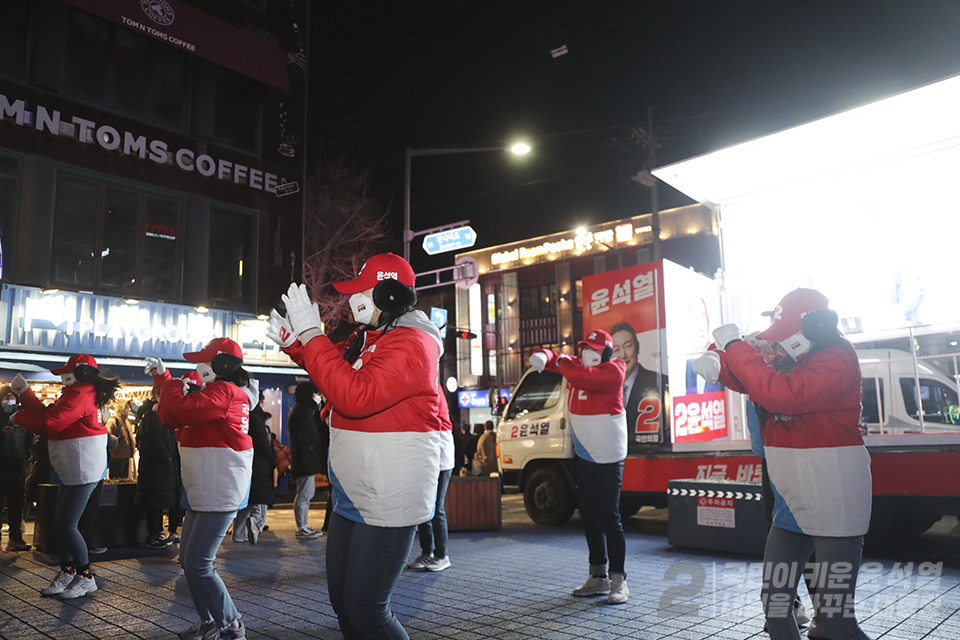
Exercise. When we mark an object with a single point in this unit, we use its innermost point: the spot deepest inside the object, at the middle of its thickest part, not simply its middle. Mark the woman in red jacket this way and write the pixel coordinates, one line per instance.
(77, 441)
(216, 460)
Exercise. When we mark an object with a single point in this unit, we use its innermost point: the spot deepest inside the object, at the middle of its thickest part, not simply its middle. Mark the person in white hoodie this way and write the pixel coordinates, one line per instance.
(216, 462)
(599, 423)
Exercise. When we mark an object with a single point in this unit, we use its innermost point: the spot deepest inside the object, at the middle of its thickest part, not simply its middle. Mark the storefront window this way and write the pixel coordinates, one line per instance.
(538, 302)
(116, 239)
(14, 26)
(117, 67)
(231, 266)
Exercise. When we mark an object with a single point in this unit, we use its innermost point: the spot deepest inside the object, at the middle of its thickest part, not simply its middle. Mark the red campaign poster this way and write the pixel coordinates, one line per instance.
(625, 304)
(699, 417)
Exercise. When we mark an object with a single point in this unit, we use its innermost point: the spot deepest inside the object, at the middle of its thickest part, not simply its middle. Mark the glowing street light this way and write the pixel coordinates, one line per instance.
(518, 148)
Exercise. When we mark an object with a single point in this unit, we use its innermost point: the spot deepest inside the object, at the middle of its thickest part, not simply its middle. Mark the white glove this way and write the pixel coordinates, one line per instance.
(154, 367)
(19, 385)
(279, 330)
(538, 361)
(707, 366)
(726, 334)
(302, 314)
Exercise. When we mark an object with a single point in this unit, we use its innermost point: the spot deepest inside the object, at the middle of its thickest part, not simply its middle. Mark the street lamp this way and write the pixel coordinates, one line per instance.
(408, 235)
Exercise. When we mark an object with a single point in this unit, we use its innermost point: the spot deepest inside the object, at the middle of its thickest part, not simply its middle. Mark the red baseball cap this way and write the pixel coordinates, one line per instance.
(193, 377)
(598, 340)
(788, 314)
(214, 347)
(70, 367)
(383, 266)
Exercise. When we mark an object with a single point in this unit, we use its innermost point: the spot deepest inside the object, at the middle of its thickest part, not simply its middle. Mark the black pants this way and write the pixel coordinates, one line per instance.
(12, 483)
(599, 492)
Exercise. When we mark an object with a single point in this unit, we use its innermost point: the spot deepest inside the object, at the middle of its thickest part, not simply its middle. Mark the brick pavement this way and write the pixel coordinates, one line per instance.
(510, 584)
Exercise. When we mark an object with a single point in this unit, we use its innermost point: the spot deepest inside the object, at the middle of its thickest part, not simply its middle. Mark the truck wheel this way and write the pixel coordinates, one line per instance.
(547, 498)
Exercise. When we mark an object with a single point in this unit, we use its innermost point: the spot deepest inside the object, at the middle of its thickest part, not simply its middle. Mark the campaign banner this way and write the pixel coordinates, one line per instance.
(628, 303)
(700, 417)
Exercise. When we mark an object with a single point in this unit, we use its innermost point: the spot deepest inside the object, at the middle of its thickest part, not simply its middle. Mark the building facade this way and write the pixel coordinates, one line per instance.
(529, 294)
(151, 167)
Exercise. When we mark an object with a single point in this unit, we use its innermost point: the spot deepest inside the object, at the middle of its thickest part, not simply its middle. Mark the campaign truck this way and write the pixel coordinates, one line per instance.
(859, 206)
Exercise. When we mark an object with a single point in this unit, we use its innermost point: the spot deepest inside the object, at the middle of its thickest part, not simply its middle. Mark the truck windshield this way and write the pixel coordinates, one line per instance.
(939, 401)
(538, 391)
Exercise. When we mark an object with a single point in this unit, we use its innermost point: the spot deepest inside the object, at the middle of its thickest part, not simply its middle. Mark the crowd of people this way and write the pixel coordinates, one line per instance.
(374, 420)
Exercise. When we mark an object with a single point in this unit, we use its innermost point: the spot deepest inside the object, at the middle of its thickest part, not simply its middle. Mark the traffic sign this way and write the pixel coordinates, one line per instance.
(449, 240)
(439, 317)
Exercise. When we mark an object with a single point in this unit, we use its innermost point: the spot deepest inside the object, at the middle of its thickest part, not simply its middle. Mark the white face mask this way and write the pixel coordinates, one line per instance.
(590, 358)
(796, 345)
(67, 379)
(206, 373)
(362, 307)
(317, 398)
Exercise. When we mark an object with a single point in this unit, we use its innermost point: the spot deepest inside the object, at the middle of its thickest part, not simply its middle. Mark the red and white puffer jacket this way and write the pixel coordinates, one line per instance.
(386, 435)
(216, 451)
(819, 467)
(76, 437)
(595, 405)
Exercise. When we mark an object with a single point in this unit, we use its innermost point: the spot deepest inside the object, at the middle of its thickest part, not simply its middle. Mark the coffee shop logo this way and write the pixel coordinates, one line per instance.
(159, 11)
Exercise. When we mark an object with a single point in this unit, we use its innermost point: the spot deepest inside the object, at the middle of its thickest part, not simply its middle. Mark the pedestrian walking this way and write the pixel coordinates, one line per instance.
(16, 446)
(157, 477)
(249, 523)
(599, 422)
(307, 456)
(810, 417)
(121, 456)
(385, 433)
(216, 455)
(77, 443)
(487, 451)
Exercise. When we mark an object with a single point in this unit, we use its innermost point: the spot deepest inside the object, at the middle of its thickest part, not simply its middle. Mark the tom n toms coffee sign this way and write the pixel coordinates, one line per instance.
(128, 143)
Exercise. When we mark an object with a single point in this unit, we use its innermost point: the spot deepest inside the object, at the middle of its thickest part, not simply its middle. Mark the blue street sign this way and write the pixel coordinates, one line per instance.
(449, 240)
(439, 317)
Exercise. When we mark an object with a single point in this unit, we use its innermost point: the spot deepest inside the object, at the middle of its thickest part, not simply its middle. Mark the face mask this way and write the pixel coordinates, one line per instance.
(590, 358)
(206, 373)
(67, 379)
(269, 424)
(9, 405)
(318, 399)
(362, 307)
(796, 345)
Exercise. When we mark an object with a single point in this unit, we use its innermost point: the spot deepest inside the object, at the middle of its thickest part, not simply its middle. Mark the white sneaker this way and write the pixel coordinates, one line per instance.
(200, 631)
(308, 533)
(800, 613)
(421, 562)
(619, 591)
(438, 564)
(60, 582)
(81, 585)
(593, 586)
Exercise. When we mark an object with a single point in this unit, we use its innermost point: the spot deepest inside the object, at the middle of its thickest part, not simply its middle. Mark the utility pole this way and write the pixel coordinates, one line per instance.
(654, 195)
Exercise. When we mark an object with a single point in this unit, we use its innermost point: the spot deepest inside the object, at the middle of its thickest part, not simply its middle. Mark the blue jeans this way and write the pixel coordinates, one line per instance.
(71, 501)
(199, 540)
(834, 574)
(433, 534)
(598, 490)
(364, 564)
(306, 489)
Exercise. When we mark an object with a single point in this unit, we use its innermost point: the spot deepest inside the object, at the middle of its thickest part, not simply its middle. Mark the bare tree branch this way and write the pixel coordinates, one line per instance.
(343, 225)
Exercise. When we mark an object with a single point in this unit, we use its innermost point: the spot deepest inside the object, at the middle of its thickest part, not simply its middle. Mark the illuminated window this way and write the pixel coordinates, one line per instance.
(116, 239)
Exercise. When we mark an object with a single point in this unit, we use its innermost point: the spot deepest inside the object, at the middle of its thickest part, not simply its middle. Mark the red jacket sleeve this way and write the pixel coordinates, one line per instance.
(552, 359)
(74, 403)
(822, 382)
(391, 374)
(726, 378)
(211, 403)
(606, 377)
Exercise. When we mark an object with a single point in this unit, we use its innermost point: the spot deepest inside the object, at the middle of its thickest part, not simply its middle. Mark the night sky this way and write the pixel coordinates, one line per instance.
(385, 76)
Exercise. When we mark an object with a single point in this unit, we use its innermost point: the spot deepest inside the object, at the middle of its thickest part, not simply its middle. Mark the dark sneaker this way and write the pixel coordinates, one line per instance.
(200, 631)
(17, 545)
(234, 634)
(157, 542)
